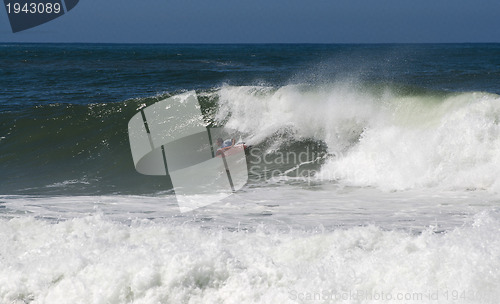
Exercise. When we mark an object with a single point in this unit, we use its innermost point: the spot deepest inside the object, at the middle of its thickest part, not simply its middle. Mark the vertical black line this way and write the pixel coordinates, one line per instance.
(164, 158)
(166, 167)
(227, 171)
(147, 129)
(211, 143)
(145, 121)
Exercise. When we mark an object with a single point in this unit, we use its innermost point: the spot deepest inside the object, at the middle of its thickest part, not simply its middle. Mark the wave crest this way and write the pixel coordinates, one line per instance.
(380, 136)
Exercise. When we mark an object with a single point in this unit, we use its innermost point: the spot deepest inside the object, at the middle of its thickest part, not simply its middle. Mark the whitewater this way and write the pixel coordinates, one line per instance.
(374, 176)
(403, 207)
(380, 138)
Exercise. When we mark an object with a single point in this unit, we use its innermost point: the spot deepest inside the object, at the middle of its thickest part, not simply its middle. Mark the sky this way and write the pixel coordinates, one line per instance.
(268, 21)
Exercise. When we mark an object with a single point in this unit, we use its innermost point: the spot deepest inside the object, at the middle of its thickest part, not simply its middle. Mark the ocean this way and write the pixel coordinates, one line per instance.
(374, 175)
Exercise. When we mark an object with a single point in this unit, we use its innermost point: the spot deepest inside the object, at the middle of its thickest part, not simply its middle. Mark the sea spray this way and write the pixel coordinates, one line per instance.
(386, 139)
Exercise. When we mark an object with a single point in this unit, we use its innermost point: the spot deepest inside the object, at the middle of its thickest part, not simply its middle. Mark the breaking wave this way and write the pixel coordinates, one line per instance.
(384, 137)
(389, 137)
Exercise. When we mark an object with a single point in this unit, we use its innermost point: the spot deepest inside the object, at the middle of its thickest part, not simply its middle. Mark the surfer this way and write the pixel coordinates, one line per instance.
(224, 145)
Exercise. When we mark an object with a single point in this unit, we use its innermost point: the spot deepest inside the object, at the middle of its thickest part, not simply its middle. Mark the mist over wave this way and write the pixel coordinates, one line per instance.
(378, 136)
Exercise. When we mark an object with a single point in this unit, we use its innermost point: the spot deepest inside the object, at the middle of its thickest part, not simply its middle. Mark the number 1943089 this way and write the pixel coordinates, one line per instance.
(33, 8)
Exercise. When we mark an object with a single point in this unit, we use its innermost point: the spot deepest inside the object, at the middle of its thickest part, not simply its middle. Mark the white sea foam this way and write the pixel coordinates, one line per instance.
(97, 260)
(380, 138)
(368, 245)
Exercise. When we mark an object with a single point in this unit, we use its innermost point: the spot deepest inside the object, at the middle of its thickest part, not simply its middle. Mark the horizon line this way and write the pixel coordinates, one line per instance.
(251, 43)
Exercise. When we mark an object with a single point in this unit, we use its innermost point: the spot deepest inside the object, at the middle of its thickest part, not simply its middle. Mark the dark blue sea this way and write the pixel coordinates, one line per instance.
(396, 200)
